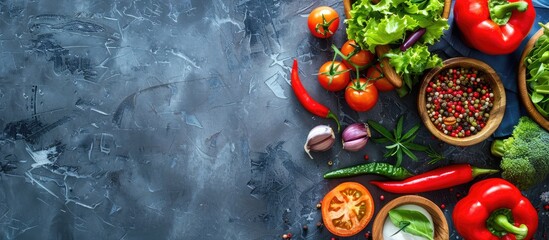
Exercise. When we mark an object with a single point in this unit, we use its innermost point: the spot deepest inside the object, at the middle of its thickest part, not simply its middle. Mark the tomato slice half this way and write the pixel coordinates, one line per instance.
(347, 209)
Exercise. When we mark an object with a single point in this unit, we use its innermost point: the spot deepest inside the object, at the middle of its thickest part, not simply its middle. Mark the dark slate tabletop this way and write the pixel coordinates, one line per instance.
(175, 120)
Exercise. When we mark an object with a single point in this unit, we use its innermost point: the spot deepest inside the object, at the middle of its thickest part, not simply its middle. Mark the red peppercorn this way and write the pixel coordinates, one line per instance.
(442, 206)
(429, 89)
(381, 197)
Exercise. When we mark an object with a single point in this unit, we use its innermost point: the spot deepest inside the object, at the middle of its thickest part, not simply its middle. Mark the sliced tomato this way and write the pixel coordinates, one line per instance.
(347, 209)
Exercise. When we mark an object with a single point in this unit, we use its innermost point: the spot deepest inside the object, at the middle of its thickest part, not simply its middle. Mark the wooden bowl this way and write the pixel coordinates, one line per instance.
(523, 89)
(439, 220)
(496, 114)
(381, 50)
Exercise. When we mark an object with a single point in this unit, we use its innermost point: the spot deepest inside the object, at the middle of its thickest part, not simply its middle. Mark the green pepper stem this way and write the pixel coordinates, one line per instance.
(500, 11)
(334, 117)
(503, 222)
(481, 171)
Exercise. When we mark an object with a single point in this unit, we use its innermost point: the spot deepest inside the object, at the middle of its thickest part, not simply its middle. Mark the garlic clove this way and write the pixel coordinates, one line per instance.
(355, 145)
(320, 138)
(355, 136)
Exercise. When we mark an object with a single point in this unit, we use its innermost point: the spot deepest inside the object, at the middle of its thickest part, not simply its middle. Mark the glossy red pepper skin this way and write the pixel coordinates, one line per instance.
(306, 100)
(436, 179)
(471, 212)
(480, 32)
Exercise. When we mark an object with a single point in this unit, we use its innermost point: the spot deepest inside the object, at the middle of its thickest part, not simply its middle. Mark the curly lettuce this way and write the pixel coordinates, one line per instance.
(389, 21)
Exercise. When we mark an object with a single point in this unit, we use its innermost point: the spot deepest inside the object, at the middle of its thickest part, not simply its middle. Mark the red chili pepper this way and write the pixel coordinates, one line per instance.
(495, 209)
(307, 101)
(437, 179)
(494, 26)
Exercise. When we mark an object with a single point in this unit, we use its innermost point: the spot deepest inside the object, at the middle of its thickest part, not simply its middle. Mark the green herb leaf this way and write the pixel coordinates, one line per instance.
(537, 73)
(402, 226)
(409, 154)
(399, 158)
(419, 223)
(398, 130)
(415, 147)
(434, 155)
(411, 133)
(401, 143)
(381, 129)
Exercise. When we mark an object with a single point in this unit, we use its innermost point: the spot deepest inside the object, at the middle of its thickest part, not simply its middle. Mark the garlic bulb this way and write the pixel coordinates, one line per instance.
(355, 136)
(320, 138)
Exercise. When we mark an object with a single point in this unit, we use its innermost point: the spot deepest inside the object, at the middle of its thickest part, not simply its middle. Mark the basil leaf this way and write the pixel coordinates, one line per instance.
(419, 223)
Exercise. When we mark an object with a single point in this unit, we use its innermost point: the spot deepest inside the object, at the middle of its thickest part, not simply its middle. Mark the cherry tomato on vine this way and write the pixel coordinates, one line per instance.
(334, 76)
(361, 95)
(323, 21)
(360, 57)
(375, 74)
(347, 209)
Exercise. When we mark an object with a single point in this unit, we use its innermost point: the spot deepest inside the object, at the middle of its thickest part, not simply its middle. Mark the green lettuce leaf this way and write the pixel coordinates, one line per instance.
(414, 61)
(389, 22)
(388, 30)
(424, 7)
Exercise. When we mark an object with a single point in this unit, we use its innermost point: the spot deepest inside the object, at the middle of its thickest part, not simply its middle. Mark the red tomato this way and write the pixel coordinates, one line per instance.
(347, 209)
(323, 22)
(360, 57)
(381, 83)
(361, 95)
(334, 76)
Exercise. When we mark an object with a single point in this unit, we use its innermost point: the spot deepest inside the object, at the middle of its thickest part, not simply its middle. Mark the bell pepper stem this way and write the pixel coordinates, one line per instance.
(481, 171)
(520, 232)
(500, 11)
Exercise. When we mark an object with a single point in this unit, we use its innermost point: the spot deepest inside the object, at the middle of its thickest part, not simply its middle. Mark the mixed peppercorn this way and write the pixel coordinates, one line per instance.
(458, 101)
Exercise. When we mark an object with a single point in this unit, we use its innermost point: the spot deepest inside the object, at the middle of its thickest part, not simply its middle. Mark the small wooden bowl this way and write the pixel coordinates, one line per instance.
(523, 89)
(439, 220)
(381, 50)
(496, 114)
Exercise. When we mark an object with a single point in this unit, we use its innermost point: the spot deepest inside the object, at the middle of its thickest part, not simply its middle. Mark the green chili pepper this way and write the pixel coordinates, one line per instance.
(383, 169)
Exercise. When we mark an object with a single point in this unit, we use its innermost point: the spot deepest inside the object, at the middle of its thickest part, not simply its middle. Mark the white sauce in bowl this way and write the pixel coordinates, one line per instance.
(389, 228)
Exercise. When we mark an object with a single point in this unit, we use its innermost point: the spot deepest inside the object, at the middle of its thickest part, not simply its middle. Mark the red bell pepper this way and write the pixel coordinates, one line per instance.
(495, 209)
(494, 26)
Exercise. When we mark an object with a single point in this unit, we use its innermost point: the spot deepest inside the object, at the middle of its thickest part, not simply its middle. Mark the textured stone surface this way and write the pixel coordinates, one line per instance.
(175, 120)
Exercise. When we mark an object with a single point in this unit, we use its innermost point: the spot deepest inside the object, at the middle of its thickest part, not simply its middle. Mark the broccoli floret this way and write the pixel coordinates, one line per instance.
(525, 155)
